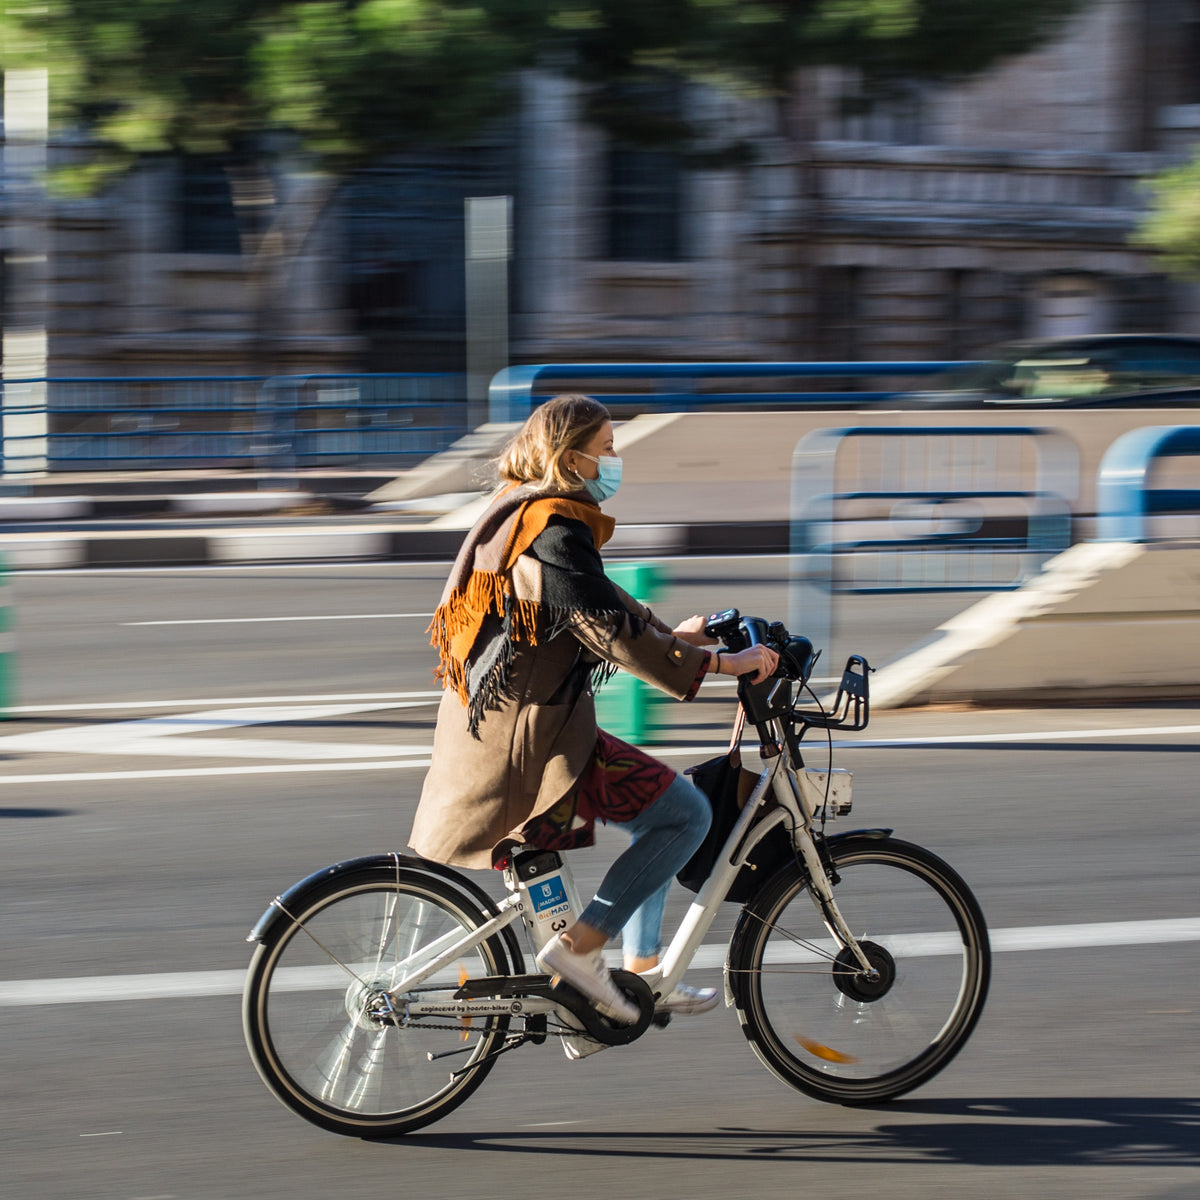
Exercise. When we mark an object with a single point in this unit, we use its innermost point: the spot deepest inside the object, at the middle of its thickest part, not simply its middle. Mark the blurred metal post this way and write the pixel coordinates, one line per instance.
(1125, 499)
(26, 128)
(489, 248)
(7, 640)
(624, 703)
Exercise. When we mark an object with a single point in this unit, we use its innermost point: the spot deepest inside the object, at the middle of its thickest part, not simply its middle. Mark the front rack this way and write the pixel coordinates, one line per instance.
(851, 709)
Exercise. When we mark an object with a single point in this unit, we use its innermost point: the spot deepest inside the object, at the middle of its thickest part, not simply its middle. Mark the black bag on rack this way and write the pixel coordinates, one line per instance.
(728, 785)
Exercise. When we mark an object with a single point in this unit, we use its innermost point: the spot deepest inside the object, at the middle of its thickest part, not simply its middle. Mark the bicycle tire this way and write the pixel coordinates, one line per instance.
(815, 1020)
(304, 1008)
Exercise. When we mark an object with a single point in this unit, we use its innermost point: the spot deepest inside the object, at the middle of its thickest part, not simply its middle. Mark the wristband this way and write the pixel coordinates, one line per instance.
(718, 670)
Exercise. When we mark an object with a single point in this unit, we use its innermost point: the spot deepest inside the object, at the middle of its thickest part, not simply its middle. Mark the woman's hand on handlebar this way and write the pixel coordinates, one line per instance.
(692, 631)
(762, 660)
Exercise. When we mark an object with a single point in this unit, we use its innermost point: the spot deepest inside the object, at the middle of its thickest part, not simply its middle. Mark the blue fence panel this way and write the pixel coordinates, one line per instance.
(924, 509)
(1124, 497)
(248, 421)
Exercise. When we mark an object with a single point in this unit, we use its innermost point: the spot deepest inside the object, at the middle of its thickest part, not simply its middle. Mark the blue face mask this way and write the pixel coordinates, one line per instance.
(605, 485)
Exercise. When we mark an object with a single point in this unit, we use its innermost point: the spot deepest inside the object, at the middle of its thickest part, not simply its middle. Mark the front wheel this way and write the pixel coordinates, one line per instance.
(820, 1022)
(314, 1023)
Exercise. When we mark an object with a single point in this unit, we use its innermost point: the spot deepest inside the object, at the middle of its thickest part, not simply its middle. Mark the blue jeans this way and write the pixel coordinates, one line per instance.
(633, 894)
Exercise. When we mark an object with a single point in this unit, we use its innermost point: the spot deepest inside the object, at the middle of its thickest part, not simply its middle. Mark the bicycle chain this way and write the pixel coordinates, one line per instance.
(419, 1024)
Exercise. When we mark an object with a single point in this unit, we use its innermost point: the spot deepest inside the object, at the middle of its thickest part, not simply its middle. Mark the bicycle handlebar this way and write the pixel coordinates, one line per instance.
(770, 699)
(796, 655)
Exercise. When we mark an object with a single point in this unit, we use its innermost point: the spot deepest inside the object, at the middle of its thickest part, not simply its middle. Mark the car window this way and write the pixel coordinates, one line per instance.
(1028, 372)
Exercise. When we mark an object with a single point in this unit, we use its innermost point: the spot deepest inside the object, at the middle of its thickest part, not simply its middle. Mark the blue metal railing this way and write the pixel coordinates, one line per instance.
(381, 420)
(923, 509)
(248, 421)
(511, 395)
(1124, 497)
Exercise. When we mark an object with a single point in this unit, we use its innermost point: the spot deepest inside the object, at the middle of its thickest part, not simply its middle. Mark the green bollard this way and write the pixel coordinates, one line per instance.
(624, 703)
(7, 639)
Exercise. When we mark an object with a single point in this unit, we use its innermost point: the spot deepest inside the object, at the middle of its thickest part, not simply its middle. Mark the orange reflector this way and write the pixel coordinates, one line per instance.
(463, 976)
(825, 1052)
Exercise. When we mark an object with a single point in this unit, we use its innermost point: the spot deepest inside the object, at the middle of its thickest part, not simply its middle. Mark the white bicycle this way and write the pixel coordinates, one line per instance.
(858, 967)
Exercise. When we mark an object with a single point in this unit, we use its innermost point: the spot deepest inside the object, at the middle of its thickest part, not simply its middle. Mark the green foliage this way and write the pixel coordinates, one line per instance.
(1173, 225)
(349, 78)
(355, 79)
(758, 45)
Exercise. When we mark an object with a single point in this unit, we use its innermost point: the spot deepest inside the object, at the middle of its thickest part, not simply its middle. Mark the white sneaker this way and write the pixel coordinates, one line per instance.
(687, 1001)
(588, 974)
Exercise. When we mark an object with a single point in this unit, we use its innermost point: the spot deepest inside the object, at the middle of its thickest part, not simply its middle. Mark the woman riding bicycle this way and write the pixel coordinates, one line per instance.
(526, 623)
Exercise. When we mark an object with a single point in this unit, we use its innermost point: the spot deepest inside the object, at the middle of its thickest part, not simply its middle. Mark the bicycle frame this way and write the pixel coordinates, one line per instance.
(794, 806)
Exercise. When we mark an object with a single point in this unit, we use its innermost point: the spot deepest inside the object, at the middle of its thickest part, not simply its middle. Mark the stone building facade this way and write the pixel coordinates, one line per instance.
(950, 219)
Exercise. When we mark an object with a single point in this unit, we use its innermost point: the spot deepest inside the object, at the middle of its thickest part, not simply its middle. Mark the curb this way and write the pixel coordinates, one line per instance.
(72, 508)
(305, 543)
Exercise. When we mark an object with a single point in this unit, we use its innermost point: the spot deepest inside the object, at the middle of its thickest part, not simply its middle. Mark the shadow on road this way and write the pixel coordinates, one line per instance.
(1022, 1132)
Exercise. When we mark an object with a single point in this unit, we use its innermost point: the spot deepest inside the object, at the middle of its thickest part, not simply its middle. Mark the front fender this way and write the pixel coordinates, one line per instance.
(876, 835)
(295, 895)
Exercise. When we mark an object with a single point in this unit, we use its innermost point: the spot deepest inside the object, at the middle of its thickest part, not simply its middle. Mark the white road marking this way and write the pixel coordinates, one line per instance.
(166, 735)
(270, 620)
(1051, 735)
(960, 739)
(181, 985)
(294, 768)
(123, 705)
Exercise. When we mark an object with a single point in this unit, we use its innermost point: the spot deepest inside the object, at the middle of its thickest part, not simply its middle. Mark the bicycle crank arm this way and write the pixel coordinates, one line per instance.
(519, 988)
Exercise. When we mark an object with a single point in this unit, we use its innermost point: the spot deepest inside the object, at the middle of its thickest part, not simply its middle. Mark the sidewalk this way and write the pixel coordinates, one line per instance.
(201, 518)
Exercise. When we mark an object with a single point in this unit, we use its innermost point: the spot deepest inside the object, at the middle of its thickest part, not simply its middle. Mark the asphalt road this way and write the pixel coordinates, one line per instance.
(160, 782)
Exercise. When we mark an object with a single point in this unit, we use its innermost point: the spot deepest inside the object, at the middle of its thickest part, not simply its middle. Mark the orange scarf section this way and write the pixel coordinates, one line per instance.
(456, 624)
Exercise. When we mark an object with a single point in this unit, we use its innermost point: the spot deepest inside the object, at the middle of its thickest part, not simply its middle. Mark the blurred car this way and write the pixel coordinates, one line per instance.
(1104, 370)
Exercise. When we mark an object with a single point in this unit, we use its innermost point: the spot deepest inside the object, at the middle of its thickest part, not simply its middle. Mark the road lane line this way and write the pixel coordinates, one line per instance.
(269, 620)
(1050, 735)
(696, 752)
(300, 768)
(167, 736)
(183, 985)
(203, 701)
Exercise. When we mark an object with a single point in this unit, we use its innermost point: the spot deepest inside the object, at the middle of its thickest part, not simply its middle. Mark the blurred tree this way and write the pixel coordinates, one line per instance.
(336, 83)
(763, 47)
(760, 45)
(319, 85)
(1172, 227)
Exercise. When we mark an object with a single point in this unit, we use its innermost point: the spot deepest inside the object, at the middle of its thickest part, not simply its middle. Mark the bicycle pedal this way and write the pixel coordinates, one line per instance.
(661, 1019)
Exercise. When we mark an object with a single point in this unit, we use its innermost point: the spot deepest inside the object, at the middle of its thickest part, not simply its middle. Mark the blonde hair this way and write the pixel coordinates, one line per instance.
(535, 455)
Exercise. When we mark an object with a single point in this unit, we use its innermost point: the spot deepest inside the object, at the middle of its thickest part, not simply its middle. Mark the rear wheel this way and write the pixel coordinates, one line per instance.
(315, 1023)
(822, 1023)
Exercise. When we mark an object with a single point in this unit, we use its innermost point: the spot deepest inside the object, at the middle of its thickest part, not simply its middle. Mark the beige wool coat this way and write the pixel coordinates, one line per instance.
(532, 750)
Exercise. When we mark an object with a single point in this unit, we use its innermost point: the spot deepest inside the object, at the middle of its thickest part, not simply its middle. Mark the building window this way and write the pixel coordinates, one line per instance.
(894, 117)
(645, 172)
(1190, 49)
(644, 205)
(207, 220)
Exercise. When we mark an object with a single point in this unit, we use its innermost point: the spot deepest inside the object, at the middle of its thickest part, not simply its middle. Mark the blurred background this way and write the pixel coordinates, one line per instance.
(277, 279)
(281, 189)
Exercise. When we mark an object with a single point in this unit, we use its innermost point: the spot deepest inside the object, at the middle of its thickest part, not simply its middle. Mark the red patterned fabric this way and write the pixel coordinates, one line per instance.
(620, 782)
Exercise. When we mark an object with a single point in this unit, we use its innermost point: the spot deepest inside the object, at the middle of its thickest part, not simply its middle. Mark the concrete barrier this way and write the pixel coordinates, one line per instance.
(737, 466)
(1104, 621)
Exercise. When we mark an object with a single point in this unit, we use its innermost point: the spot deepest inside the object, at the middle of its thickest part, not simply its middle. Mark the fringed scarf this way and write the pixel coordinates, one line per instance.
(479, 621)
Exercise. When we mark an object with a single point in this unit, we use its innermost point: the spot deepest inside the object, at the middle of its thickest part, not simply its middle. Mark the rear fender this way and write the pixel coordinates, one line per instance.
(296, 896)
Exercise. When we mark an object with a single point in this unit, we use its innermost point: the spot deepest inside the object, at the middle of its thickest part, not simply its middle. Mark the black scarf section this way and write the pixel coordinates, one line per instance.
(573, 583)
